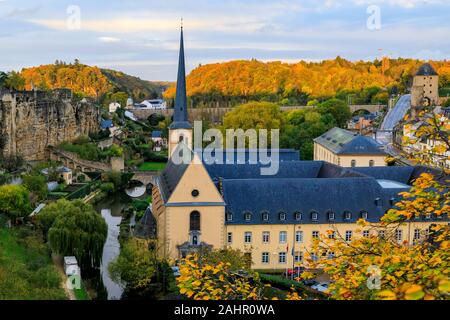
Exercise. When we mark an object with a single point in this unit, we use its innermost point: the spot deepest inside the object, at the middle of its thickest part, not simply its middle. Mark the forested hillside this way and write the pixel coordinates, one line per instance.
(237, 81)
(85, 80)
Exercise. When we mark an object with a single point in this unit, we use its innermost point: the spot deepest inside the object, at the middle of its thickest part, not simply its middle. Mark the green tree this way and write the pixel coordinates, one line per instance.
(338, 109)
(37, 185)
(74, 228)
(139, 271)
(3, 77)
(15, 81)
(254, 115)
(14, 202)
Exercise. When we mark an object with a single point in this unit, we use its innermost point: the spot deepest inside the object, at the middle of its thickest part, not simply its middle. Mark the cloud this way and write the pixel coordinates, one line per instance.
(109, 39)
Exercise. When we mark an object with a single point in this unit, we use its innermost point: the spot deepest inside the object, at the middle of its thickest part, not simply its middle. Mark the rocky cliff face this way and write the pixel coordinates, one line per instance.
(32, 120)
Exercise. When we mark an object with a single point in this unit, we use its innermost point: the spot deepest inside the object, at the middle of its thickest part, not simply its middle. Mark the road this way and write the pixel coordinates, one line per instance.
(384, 136)
(397, 113)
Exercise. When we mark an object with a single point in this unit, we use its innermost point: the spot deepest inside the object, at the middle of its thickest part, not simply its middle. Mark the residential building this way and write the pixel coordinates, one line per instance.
(348, 149)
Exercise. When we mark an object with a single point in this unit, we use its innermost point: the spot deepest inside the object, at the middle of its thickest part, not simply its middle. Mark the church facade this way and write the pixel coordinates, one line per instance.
(273, 219)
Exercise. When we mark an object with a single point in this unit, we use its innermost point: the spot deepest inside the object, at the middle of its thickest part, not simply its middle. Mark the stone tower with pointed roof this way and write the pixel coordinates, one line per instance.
(424, 91)
(180, 130)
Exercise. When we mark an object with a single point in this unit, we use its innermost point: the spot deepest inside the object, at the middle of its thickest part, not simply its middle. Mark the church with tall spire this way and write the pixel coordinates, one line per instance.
(180, 130)
(273, 219)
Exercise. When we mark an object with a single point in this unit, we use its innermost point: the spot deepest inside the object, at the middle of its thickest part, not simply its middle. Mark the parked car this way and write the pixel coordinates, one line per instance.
(309, 282)
(322, 286)
(176, 271)
(295, 271)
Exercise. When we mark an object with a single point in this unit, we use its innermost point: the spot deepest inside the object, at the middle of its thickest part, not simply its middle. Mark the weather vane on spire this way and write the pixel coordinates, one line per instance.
(181, 22)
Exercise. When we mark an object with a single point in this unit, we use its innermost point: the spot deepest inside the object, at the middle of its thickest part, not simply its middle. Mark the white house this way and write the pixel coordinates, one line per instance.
(113, 106)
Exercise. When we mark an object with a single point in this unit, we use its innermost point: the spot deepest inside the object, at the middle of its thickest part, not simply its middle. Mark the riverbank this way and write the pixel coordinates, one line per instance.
(26, 268)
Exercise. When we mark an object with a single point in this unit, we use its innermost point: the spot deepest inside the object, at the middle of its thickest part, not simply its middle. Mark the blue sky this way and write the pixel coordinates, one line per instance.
(140, 37)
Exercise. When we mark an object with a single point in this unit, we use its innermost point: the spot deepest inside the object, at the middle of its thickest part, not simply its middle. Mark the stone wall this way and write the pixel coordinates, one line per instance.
(33, 120)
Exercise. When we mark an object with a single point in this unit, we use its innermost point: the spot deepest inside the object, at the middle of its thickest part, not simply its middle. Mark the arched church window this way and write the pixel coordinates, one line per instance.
(194, 221)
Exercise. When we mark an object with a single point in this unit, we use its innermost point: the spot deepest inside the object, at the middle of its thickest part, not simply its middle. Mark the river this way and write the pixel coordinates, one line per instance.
(111, 209)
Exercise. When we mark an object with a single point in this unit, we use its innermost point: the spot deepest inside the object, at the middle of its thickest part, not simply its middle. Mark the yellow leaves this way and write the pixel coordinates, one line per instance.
(362, 222)
(307, 275)
(444, 286)
(395, 259)
(196, 283)
(387, 295)
(414, 292)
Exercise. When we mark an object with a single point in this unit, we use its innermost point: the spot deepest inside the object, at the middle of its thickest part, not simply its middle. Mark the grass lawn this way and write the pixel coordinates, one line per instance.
(81, 294)
(152, 166)
(26, 269)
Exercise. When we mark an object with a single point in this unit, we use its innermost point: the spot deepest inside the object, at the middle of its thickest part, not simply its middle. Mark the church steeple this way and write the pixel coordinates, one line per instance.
(180, 130)
(180, 116)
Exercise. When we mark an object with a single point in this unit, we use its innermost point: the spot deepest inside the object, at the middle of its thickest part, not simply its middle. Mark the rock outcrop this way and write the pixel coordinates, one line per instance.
(30, 121)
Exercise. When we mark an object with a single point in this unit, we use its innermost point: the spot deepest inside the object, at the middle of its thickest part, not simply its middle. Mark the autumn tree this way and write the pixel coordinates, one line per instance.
(201, 279)
(377, 266)
(222, 274)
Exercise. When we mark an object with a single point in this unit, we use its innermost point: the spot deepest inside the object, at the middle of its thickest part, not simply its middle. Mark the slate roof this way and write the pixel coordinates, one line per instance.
(156, 134)
(305, 195)
(287, 169)
(246, 155)
(105, 124)
(168, 179)
(340, 141)
(399, 174)
(426, 70)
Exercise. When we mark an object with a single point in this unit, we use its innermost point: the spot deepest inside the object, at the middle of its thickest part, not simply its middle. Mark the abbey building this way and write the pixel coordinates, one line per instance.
(271, 218)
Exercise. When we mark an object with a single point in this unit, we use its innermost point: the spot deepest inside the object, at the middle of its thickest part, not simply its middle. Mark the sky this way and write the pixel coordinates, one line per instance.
(141, 37)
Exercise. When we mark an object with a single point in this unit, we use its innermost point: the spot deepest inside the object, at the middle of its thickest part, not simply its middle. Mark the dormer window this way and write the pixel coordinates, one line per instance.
(229, 216)
(282, 216)
(347, 215)
(392, 201)
(247, 216)
(298, 216)
(314, 216)
(378, 202)
(265, 216)
(364, 215)
(331, 215)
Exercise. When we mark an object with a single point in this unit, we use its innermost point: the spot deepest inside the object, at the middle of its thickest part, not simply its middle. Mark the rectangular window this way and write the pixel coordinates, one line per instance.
(315, 234)
(248, 237)
(265, 236)
(366, 233)
(381, 234)
(282, 257)
(416, 234)
(299, 236)
(330, 255)
(314, 257)
(332, 235)
(265, 257)
(283, 236)
(348, 235)
(399, 235)
(298, 257)
(230, 237)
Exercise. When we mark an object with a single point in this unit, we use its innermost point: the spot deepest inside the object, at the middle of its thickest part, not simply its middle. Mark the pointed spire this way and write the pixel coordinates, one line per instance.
(180, 116)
